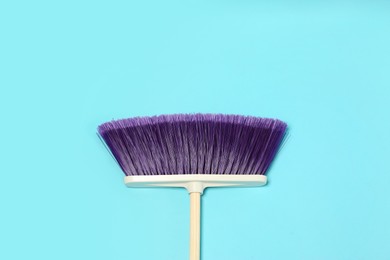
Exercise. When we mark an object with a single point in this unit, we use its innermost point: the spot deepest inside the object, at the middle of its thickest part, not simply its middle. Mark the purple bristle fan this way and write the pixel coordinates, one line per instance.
(194, 151)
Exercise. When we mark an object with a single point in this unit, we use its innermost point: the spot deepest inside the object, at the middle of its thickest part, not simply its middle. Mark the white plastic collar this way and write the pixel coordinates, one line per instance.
(196, 182)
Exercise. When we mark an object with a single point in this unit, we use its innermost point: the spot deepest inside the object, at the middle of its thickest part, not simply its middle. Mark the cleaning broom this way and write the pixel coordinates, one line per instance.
(194, 151)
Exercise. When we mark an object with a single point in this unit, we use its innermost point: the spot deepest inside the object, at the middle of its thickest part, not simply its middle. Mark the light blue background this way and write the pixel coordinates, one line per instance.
(322, 66)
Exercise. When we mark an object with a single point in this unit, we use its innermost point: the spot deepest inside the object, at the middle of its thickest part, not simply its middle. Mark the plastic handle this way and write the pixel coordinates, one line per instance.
(195, 225)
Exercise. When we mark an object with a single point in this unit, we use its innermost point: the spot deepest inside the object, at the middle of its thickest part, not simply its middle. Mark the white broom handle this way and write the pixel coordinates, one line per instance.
(195, 225)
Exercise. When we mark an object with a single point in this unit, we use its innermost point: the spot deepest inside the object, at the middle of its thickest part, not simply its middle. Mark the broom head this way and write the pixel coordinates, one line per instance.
(194, 151)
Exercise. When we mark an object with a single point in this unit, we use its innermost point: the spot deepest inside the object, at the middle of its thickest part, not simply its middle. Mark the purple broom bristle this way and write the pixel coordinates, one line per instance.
(193, 144)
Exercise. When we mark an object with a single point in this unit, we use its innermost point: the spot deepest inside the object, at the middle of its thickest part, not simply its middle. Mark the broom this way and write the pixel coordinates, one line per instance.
(194, 151)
